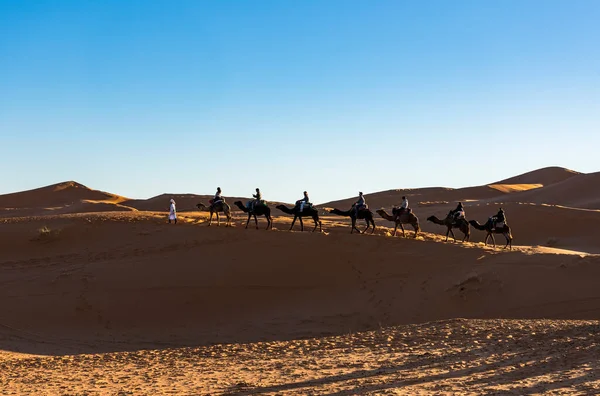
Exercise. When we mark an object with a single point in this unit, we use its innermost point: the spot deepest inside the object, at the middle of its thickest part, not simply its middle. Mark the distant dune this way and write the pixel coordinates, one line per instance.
(581, 191)
(543, 176)
(66, 197)
(529, 187)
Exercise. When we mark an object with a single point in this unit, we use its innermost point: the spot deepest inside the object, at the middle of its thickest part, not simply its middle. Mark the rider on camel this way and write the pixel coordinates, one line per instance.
(257, 199)
(403, 207)
(360, 204)
(459, 212)
(499, 218)
(218, 198)
(304, 201)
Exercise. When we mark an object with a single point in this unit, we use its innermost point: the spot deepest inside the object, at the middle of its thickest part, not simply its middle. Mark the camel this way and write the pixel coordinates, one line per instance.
(308, 211)
(404, 218)
(461, 224)
(219, 207)
(261, 210)
(365, 214)
(489, 227)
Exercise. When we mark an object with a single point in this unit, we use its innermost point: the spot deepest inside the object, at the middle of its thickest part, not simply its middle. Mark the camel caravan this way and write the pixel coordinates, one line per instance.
(400, 216)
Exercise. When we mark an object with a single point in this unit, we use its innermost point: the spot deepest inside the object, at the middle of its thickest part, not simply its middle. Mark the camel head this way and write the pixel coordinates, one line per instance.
(200, 205)
(430, 218)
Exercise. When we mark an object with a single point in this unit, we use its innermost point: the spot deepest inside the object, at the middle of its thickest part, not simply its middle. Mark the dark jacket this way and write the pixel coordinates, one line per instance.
(500, 218)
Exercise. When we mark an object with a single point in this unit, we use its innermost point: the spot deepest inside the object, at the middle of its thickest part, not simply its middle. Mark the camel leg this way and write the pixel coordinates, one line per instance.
(247, 222)
(368, 225)
(301, 224)
(453, 237)
(210, 219)
(255, 221)
(373, 223)
(269, 222)
(493, 239)
(403, 231)
(395, 229)
(293, 221)
(508, 241)
(317, 223)
(416, 227)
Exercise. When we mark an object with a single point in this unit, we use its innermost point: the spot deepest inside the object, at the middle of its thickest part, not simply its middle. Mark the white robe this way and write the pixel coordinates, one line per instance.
(172, 213)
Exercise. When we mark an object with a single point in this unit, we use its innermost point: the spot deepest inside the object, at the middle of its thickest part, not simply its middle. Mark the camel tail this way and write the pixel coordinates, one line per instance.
(476, 224)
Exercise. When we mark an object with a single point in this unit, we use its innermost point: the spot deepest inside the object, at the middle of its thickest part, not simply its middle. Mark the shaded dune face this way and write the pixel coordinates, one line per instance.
(119, 281)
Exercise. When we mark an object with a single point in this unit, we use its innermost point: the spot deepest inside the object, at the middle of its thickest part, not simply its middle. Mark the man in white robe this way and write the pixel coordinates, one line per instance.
(172, 212)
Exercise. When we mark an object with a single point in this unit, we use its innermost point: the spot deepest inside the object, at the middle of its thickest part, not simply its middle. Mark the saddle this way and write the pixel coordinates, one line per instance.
(400, 211)
(307, 206)
(254, 204)
(213, 203)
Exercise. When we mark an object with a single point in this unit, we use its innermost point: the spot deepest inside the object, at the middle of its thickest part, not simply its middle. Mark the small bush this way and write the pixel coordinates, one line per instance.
(45, 234)
(45, 231)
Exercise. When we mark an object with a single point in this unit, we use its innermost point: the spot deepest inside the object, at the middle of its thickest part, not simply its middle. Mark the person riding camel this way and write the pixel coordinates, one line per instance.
(403, 207)
(459, 212)
(360, 204)
(304, 201)
(499, 219)
(256, 201)
(217, 199)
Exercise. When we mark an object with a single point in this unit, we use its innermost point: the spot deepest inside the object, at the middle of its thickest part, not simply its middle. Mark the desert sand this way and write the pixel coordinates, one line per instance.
(101, 296)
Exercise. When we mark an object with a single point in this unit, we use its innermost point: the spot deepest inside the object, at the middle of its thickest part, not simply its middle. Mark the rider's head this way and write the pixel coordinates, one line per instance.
(257, 189)
(218, 188)
(305, 193)
(403, 197)
(360, 193)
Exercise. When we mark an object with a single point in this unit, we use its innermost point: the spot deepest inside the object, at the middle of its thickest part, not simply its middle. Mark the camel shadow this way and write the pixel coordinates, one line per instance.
(511, 372)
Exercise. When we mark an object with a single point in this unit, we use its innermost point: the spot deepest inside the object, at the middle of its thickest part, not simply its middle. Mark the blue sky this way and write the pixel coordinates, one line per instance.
(144, 97)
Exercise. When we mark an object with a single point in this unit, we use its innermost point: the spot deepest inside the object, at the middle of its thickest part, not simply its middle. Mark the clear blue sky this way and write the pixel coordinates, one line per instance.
(144, 97)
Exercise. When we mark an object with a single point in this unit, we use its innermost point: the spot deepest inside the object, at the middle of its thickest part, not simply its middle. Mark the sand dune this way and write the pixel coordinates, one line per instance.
(298, 313)
(66, 197)
(497, 191)
(543, 176)
(581, 191)
(233, 285)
